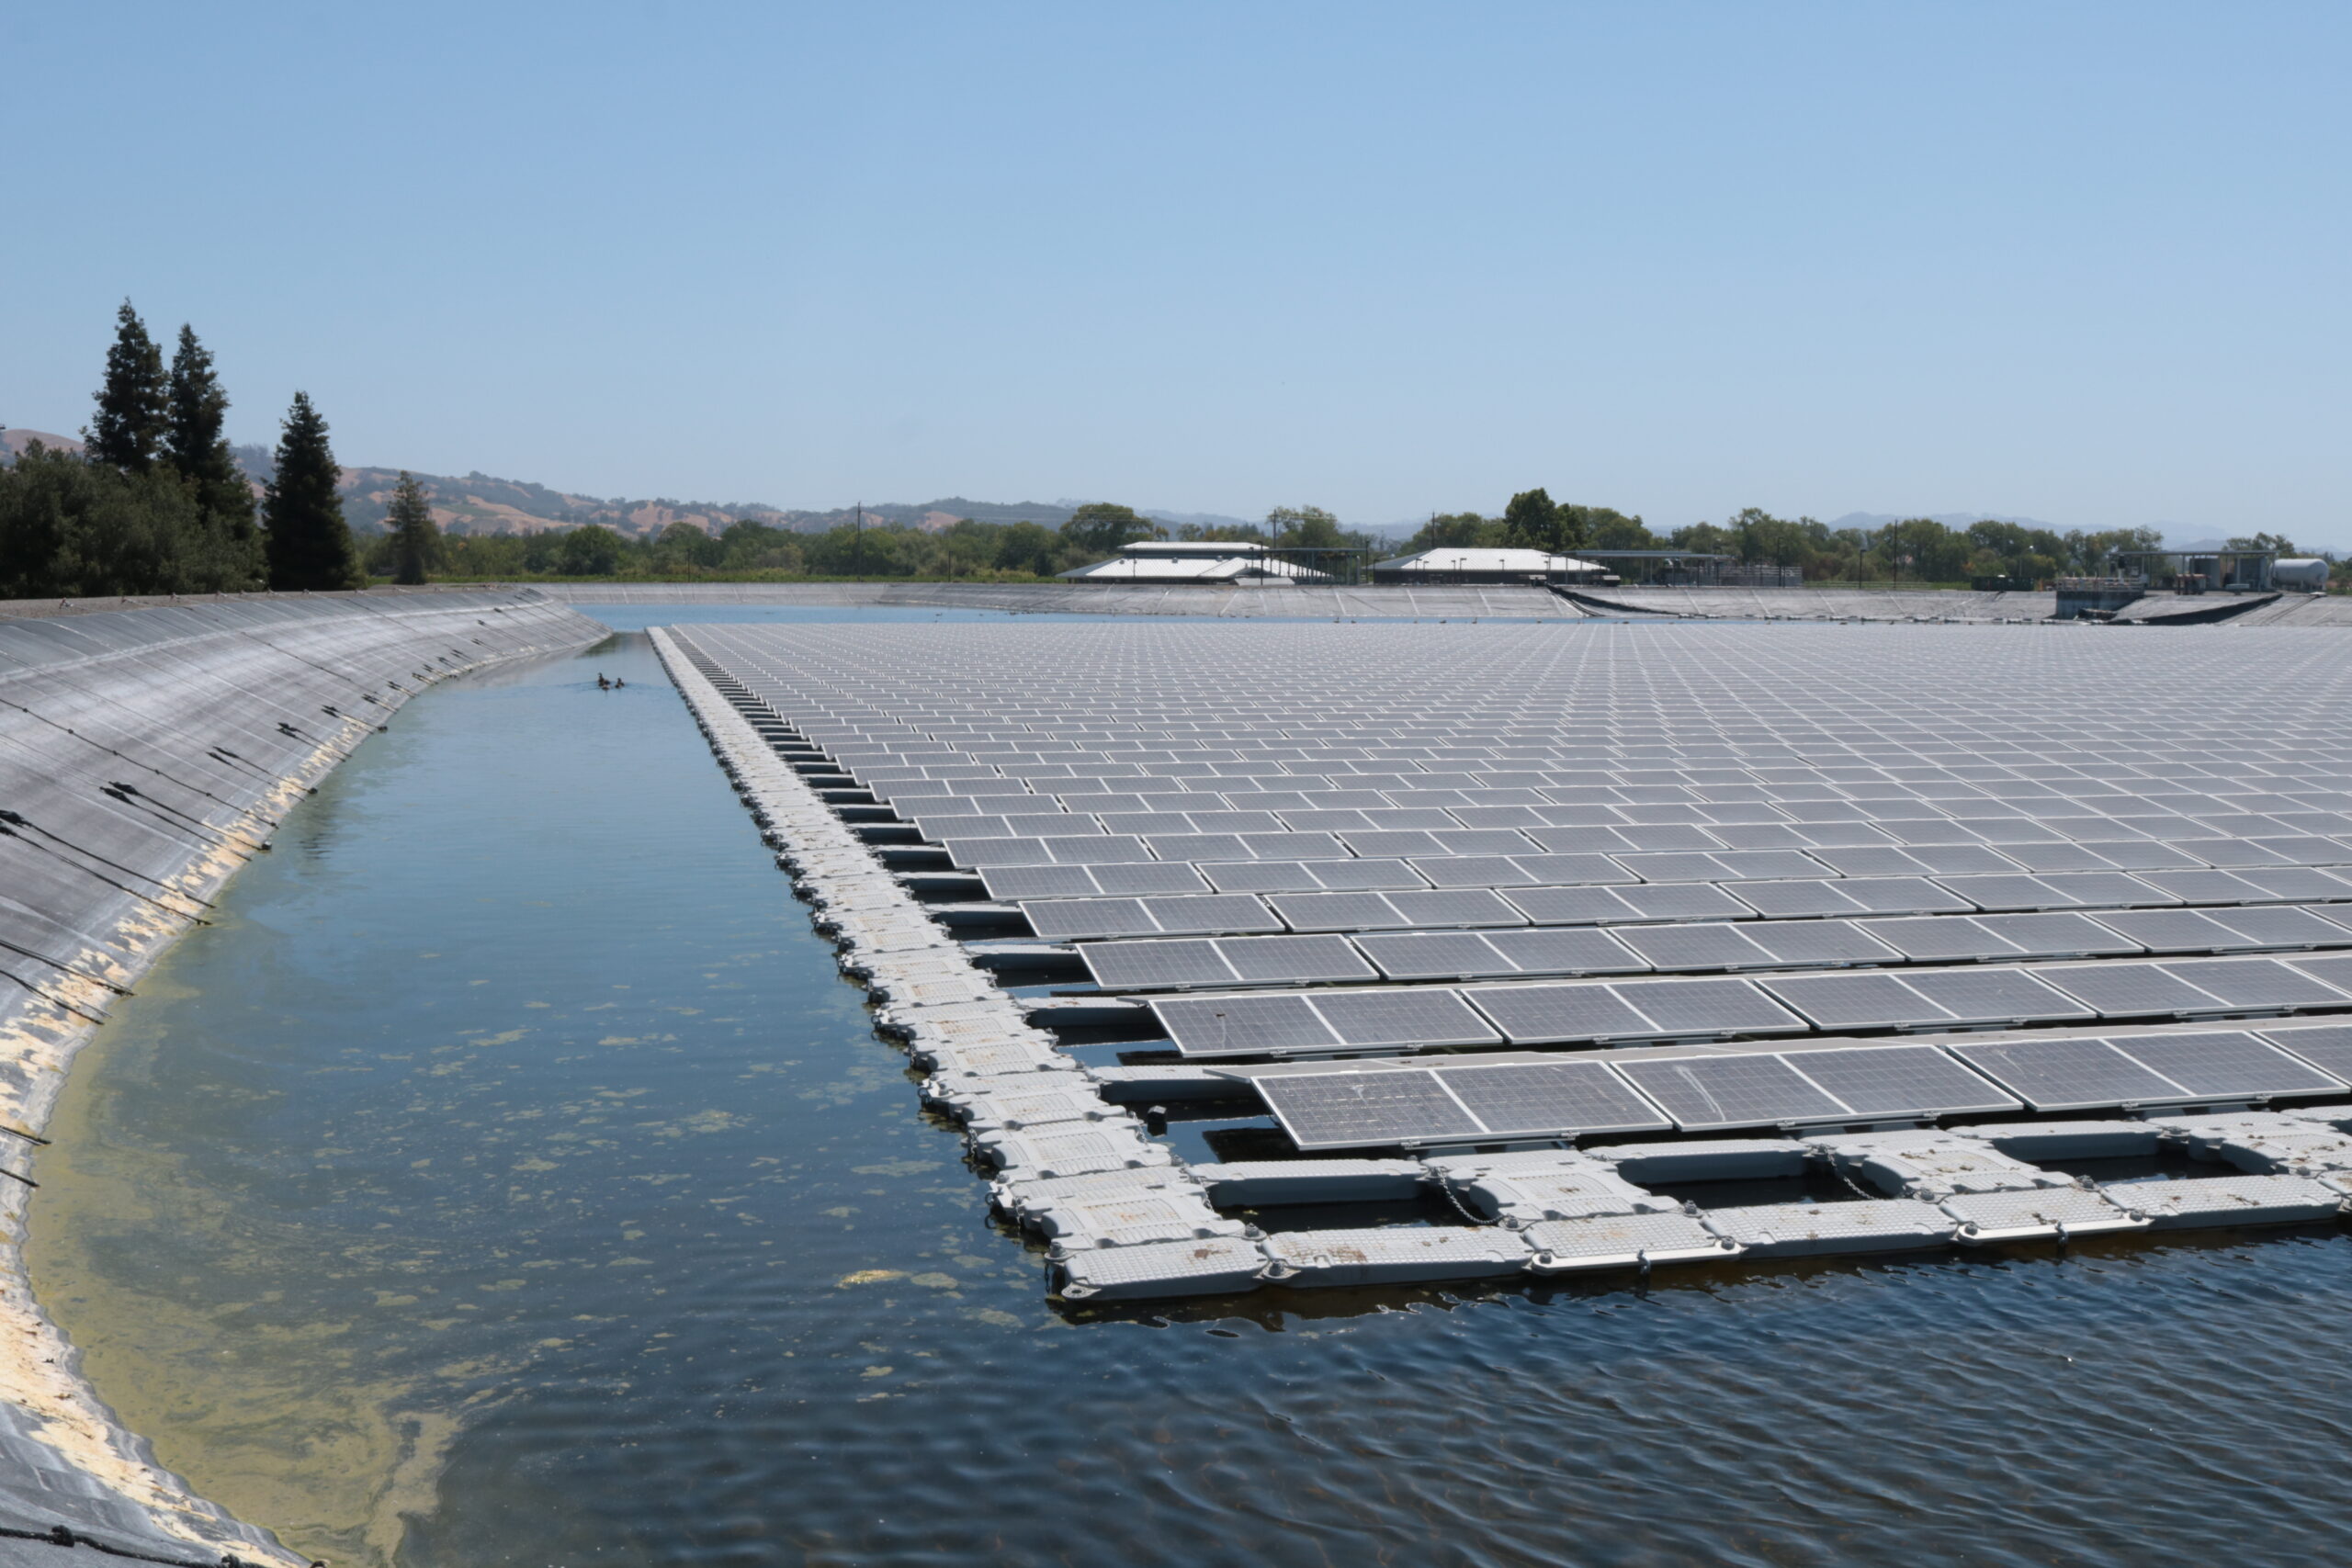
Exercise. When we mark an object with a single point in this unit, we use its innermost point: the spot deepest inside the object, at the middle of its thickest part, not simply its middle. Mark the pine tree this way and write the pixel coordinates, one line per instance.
(308, 543)
(132, 405)
(196, 446)
(417, 541)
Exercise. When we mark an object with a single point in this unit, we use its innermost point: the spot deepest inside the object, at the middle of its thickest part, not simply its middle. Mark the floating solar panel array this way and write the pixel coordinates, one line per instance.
(1459, 843)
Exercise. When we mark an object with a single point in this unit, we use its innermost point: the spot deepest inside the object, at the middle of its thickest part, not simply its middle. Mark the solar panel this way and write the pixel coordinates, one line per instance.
(1349, 1110)
(2013, 892)
(1697, 947)
(1881, 860)
(2144, 856)
(2231, 1063)
(1284, 959)
(1995, 995)
(1794, 900)
(1039, 882)
(1564, 1098)
(1226, 1026)
(1565, 952)
(1900, 1080)
(2058, 935)
(2205, 886)
(2127, 990)
(1475, 871)
(2286, 884)
(974, 854)
(2068, 1074)
(1710, 1007)
(1903, 896)
(1455, 907)
(1097, 852)
(2108, 889)
(1120, 966)
(1418, 1017)
(2327, 1046)
(2256, 982)
(1704, 1093)
(2177, 931)
(1363, 875)
(1857, 1001)
(1261, 876)
(1340, 913)
(1571, 870)
(1141, 878)
(1818, 941)
(1940, 938)
(1067, 918)
(1435, 955)
(2285, 926)
(1561, 1014)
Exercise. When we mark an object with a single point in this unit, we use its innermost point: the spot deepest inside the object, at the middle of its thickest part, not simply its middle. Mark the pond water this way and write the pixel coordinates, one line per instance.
(509, 1178)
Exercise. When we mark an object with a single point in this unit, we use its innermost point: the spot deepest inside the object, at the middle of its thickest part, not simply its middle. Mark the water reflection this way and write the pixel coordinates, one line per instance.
(510, 1177)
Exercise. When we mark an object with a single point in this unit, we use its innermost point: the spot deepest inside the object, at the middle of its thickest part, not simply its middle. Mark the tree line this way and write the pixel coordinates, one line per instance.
(155, 502)
(749, 549)
(1915, 548)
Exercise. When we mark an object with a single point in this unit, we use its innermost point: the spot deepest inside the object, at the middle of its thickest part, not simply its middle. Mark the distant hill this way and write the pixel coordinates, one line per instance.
(14, 441)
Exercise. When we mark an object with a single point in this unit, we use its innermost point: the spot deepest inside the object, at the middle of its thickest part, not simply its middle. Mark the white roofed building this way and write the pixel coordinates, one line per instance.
(1210, 562)
(1467, 564)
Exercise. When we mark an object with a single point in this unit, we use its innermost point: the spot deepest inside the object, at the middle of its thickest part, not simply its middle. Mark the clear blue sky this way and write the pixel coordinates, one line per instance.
(2085, 263)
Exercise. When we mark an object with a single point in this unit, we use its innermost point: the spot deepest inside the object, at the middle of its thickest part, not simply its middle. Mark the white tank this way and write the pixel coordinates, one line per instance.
(2299, 574)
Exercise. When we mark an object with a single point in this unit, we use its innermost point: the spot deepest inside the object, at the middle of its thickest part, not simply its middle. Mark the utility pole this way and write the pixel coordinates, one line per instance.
(858, 548)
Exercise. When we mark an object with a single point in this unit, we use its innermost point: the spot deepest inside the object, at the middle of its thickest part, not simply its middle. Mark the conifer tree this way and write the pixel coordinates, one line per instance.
(308, 543)
(133, 405)
(195, 445)
(417, 540)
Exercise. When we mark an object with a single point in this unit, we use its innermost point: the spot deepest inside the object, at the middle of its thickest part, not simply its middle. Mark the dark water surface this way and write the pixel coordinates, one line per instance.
(510, 1178)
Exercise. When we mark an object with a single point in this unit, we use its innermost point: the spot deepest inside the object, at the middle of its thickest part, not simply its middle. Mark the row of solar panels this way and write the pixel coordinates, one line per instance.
(1239, 914)
(1592, 1012)
(1468, 1101)
(1571, 754)
(1575, 777)
(1334, 811)
(1609, 829)
(1574, 774)
(1506, 857)
(1225, 962)
(1546, 804)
